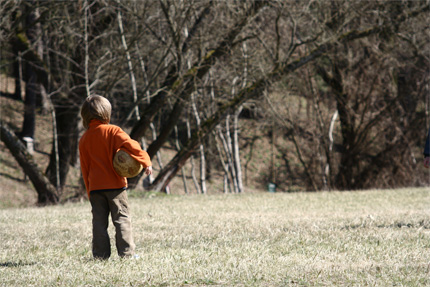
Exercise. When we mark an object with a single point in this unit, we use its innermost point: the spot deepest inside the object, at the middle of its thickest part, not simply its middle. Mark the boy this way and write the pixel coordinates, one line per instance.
(105, 188)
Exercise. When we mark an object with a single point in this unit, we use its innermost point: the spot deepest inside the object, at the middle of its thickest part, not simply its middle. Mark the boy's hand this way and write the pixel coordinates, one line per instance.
(427, 161)
(148, 170)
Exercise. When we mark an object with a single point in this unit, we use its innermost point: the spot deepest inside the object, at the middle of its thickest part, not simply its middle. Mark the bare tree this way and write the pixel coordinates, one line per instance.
(46, 191)
(345, 96)
(256, 88)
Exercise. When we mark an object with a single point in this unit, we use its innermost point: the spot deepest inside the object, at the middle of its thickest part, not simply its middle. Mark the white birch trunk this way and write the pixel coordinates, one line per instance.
(193, 167)
(201, 149)
(223, 162)
(148, 100)
(236, 151)
(226, 140)
(87, 84)
(184, 178)
(130, 65)
(330, 148)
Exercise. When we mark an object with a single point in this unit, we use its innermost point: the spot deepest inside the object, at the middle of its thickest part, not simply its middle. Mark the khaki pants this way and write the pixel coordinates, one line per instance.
(115, 203)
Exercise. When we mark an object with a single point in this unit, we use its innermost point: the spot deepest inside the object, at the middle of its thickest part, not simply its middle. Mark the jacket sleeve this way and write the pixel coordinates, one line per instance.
(427, 146)
(84, 168)
(123, 141)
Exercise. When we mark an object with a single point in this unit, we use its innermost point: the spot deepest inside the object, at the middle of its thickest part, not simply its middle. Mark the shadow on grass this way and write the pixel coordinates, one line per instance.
(16, 264)
(424, 224)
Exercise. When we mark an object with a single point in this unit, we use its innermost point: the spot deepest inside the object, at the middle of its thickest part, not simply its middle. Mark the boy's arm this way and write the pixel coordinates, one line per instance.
(123, 141)
(84, 168)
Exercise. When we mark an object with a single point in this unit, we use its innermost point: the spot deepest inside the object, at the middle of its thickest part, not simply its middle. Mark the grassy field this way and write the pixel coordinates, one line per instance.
(369, 238)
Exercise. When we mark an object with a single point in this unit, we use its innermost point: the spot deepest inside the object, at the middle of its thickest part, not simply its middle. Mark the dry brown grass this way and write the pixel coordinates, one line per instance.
(373, 238)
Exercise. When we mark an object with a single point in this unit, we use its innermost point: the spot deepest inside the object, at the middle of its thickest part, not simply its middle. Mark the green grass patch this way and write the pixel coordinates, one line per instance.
(369, 238)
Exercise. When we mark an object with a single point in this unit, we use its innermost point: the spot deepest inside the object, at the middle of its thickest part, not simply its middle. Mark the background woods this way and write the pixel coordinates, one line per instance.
(309, 95)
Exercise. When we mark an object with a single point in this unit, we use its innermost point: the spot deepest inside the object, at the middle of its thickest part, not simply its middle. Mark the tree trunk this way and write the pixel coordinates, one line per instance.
(29, 124)
(67, 124)
(193, 166)
(32, 88)
(130, 65)
(202, 150)
(178, 147)
(46, 191)
(229, 152)
(221, 158)
(17, 70)
(228, 164)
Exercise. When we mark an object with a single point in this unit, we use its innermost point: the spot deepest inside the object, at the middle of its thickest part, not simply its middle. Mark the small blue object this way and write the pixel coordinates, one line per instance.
(271, 187)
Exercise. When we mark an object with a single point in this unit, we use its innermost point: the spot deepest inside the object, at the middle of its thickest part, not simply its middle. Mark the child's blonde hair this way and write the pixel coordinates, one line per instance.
(95, 107)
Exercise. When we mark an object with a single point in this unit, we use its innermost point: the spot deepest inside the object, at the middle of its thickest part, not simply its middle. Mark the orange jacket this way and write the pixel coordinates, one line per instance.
(97, 148)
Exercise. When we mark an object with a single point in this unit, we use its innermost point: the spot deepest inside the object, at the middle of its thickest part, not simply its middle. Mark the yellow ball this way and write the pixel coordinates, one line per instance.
(125, 165)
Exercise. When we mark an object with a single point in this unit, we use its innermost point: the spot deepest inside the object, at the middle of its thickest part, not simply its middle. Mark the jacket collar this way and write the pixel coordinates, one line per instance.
(95, 122)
